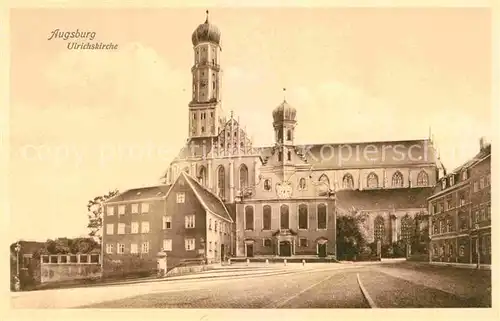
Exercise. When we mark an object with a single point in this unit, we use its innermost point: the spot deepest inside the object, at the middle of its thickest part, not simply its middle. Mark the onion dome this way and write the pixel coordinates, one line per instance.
(206, 32)
(284, 112)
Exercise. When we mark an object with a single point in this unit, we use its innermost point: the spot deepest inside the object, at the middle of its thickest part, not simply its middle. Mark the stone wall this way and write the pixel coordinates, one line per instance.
(60, 268)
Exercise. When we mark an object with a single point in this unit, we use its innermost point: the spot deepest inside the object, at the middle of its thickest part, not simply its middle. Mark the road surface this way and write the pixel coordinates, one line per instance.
(379, 285)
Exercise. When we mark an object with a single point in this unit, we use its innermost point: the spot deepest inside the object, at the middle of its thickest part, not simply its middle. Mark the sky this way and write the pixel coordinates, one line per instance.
(84, 122)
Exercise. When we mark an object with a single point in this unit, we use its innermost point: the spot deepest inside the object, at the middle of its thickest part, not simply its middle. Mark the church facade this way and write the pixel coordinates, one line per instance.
(285, 197)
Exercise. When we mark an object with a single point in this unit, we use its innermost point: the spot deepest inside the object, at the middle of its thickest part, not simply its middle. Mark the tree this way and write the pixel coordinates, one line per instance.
(351, 235)
(94, 212)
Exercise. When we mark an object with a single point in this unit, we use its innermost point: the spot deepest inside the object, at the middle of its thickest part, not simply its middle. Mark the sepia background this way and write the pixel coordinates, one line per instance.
(354, 74)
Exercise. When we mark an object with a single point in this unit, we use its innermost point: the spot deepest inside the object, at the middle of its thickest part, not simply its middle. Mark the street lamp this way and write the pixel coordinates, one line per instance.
(17, 285)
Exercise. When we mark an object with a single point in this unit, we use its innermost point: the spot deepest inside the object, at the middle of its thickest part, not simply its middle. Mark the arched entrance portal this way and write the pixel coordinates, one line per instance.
(321, 247)
(285, 248)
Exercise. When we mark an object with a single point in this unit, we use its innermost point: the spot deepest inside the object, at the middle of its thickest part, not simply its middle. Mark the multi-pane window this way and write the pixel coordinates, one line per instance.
(442, 226)
(321, 216)
(449, 225)
(134, 208)
(452, 180)
(133, 248)
(422, 178)
(406, 228)
(189, 221)
(120, 248)
(249, 218)
(488, 212)
(379, 229)
(144, 227)
(463, 222)
(121, 228)
(167, 222)
(220, 181)
(436, 228)
(266, 217)
(144, 207)
(372, 180)
(121, 210)
(483, 216)
(267, 243)
(449, 203)
(109, 229)
(397, 179)
(303, 216)
(189, 244)
(481, 183)
(476, 217)
(109, 248)
(243, 177)
(134, 227)
(302, 242)
(145, 247)
(476, 186)
(110, 210)
(464, 175)
(167, 245)
(348, 181)
(284, 217)
(181, 197)
(461, 198)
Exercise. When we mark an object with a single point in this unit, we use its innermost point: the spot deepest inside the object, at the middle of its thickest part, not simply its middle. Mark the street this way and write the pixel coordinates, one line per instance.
(361, 285)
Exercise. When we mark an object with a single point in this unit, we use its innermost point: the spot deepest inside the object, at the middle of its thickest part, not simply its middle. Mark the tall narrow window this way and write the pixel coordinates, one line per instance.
(266, 217)
(202, 178)
(284, 217)
(289, 155)
(348, 181)
(303, 217)
(289, 135)
(422, 178)
(243, 177)
(249, 218)
(406, 228)
(280, 156)
(372, 180)
(379, 229)
(397, 179)
(220, 182)
(321, 216)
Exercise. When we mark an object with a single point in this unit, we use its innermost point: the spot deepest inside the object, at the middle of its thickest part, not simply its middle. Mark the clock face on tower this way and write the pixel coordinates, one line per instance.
(284, 190)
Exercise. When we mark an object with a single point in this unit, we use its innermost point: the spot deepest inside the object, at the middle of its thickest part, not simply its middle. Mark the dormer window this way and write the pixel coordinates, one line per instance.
(443, 182)
(464, 175)
(452, 180)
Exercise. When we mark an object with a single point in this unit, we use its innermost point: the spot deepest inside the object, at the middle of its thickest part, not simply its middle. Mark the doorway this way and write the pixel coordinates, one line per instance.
(285, 248)
(222, 253)
(249, 250)
(322, 250)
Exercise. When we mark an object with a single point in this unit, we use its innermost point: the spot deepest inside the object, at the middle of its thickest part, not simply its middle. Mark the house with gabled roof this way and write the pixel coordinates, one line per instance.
(183, 220)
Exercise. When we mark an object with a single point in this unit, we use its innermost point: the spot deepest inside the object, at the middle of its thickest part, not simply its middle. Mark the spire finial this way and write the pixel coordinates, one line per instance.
(284, 94)
(206, 21)
(231, 114)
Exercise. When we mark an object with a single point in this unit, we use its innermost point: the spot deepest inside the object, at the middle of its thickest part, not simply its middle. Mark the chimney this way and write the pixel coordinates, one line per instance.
(482, 143)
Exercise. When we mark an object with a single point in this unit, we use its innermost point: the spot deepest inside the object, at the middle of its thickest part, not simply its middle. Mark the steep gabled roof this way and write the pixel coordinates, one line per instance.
(208, 200)
(384, 199)
(141, 193)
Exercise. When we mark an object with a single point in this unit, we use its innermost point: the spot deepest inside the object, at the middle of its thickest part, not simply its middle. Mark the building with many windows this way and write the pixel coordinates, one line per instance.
(284, 196)
(460, 209)
(184, 220)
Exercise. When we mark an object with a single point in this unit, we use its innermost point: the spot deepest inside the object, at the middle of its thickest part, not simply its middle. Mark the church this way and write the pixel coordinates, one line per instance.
(284, 198)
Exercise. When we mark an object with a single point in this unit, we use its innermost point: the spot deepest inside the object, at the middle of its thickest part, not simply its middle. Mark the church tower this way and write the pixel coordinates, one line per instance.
(284, 131)
(205, 112)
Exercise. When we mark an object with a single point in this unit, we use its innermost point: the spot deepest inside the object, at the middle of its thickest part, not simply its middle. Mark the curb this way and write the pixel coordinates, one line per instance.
(365, 293)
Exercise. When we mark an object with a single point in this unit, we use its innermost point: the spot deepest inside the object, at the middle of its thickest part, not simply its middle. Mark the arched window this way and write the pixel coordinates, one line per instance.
(266, 217)
(267, 185)
(284, 217)
(347, 181)
(302, 183)
(397, 179)
(221, 181)
(379, 231)
(243, 177)
(249, 218)
(289, 135)
(422, 179)
(324, 179)
(321, 216)
(202, 178)
(372, 180)
(406, 228)
(303, 221)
